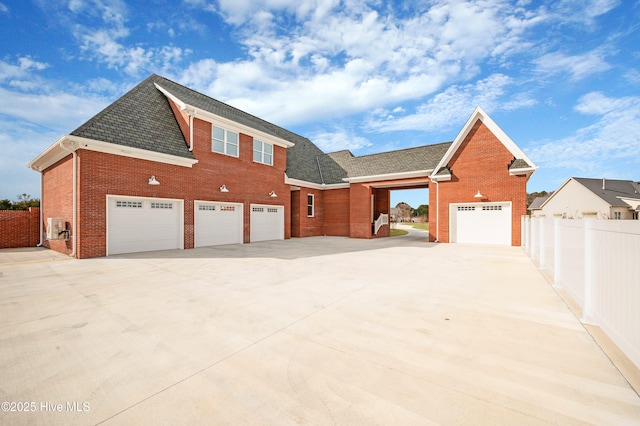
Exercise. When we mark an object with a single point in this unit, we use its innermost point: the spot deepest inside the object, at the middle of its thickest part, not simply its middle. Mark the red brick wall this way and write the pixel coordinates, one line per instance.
(481, 163)
(303, 225)
(101, 174)
(336, 212)
(57, 201)
(360, 211)
(19, 228)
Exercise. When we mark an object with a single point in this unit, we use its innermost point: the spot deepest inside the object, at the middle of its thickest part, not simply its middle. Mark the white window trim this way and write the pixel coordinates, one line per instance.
(313, 205)
(262, 153)
(226, 142)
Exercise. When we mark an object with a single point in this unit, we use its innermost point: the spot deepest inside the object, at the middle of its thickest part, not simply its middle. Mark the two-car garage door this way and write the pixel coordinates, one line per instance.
(481, 223)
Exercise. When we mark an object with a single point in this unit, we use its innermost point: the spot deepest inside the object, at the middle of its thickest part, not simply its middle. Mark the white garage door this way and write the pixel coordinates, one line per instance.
(137, 224)
(267, 222)
(481, 223)
(218, 223)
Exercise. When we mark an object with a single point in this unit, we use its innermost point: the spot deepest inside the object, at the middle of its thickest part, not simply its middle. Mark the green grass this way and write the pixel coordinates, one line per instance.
(424, 226)
(398, 232)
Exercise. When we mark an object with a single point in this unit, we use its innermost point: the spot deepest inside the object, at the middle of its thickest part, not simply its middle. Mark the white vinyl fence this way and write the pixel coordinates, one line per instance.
(597, 262)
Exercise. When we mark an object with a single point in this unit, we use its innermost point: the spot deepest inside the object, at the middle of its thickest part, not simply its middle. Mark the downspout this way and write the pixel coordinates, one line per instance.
(437, 210)
(191, 114)
(41, 214)
(75, 197)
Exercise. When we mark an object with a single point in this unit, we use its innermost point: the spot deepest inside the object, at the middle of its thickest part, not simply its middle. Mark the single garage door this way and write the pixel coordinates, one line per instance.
(218, 223)
(481, 223)
(136, 224)
(267, 222)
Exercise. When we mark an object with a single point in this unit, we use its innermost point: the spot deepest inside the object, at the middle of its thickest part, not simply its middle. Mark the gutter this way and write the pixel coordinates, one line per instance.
(75, 195)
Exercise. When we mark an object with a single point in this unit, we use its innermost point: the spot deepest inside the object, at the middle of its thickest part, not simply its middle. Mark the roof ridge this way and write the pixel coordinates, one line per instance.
(238, 110)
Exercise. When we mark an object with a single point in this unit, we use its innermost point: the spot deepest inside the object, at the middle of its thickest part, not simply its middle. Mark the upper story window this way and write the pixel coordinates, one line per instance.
(224, 141)
(262, 152)
(310, 205)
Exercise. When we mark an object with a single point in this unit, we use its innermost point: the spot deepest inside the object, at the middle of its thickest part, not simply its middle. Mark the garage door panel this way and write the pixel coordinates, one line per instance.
(218, 223)
(481, 223)
(143, 224)
(267, 222)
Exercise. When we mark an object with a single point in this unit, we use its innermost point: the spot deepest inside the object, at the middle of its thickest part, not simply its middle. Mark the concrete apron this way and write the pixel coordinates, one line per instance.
(305, 331)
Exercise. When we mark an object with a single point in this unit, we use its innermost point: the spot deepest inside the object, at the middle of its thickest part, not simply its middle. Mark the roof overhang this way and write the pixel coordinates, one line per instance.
(480, 114)
(69, 143)
(224, 122)
(633, 203)
(388, 176)
(312, 185)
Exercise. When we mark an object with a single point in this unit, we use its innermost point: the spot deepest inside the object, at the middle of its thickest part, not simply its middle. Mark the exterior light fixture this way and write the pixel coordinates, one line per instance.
(273, 194)
(153, 181)
(223, 188)
(478, 195)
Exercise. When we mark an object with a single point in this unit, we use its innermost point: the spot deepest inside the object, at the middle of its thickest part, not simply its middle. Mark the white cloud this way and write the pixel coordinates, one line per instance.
(4, 8)
(60, 111)
(615, 136)
(339, 140)
(581, 12)
(448, 108)
(577, 66)
(21, 70)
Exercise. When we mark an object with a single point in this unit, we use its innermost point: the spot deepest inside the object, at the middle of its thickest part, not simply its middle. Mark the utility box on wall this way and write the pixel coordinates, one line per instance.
(56, 229)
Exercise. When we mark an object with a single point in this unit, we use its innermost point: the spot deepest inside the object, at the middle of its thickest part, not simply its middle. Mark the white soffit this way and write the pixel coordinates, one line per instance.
(56, 152)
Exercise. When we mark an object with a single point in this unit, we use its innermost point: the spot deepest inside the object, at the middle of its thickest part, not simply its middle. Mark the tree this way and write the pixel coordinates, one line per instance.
(404, 211)
(24, 202)
(422, 210)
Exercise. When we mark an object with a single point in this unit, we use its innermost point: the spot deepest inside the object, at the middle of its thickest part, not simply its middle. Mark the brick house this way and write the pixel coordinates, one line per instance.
(166, 167)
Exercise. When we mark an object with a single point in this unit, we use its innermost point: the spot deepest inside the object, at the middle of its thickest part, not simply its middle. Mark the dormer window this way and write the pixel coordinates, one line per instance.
(224, 141)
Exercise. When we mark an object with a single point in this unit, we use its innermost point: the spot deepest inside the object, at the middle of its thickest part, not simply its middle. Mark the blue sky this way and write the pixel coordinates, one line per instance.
(561, 77)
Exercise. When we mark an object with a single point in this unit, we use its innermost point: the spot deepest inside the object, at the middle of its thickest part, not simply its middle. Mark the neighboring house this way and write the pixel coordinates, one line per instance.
(584, 198)
(166, 167)
(535, 208)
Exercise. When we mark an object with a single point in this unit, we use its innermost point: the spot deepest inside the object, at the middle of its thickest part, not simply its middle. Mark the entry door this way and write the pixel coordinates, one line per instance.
(218, 223)
(267, 222)
(481, 223)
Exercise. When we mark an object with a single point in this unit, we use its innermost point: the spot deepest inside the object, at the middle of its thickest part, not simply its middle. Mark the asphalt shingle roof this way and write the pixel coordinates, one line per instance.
(142, 118)
(612, 189)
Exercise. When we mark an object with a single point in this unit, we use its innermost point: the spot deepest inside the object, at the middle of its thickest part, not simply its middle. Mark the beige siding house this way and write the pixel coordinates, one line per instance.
(584, 198)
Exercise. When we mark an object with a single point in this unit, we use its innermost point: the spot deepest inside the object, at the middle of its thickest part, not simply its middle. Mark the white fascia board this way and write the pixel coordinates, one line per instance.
(55, 152)
(225, 122)
(479, 113)
(523, 171)
(312, 185)
(390, 176)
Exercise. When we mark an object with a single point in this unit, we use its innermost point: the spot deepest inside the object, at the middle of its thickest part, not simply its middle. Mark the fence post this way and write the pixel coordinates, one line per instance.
(557, 256)
(589, 271)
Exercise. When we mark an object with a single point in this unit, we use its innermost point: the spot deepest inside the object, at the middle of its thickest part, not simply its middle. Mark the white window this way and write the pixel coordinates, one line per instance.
(161, 205)
(262, 152)
(129, 204)
(310, 205)
(617, 215)
(224, 141)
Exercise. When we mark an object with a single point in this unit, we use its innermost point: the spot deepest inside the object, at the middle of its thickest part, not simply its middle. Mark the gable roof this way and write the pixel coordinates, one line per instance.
(141, 118)
(537, 202)
(521, 164)
(143, 122)
(610, 190)
(616, 193)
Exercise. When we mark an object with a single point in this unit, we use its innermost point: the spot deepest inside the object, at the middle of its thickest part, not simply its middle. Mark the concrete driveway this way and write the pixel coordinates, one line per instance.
(306, 331)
